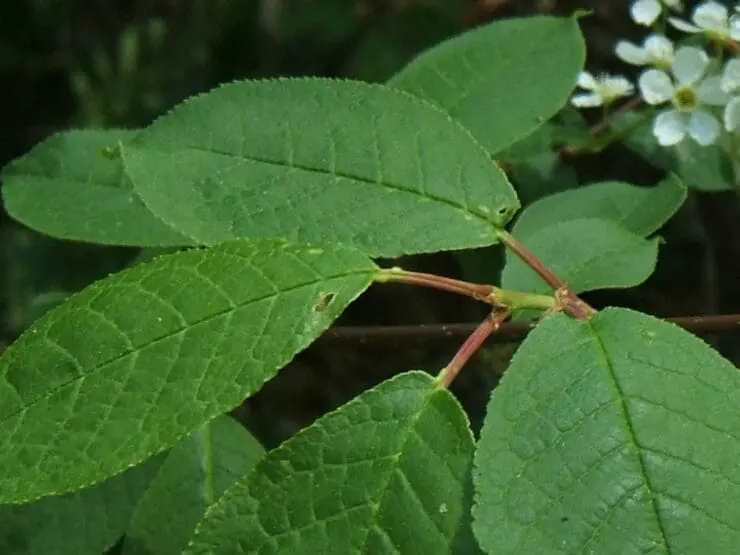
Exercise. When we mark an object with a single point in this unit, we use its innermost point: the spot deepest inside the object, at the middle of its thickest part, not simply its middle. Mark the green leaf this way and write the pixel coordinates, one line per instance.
(67, 188)
(86, 522)
(705, 168)
(196, 472)
(641, 210)
(586, 253)
(138, 360)
(617, 435)
(317, 160)
(385, 473)
(502, 80)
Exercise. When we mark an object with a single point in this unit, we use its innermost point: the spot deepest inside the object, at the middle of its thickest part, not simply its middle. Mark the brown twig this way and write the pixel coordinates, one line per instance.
(474, 341)
(507, 333)
(531, 260)
(476, 291)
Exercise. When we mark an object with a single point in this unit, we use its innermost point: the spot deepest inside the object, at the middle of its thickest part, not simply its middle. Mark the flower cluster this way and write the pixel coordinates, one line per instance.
(698, 94)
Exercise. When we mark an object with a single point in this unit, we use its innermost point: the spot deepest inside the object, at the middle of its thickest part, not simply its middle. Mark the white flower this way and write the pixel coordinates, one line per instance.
(731, 84)
(605, 89)
(656, 51)
(712, 19)
(688, 94)
(732, 115)
(645, 12)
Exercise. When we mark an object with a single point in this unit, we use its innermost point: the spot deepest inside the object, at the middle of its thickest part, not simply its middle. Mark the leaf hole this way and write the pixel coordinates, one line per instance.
(324, 300)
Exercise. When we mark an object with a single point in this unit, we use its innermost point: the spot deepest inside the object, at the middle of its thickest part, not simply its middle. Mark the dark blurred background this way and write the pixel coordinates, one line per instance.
(116, 63)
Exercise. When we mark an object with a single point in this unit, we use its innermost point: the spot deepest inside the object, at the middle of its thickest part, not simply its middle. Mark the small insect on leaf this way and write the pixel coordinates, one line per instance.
(323, 302)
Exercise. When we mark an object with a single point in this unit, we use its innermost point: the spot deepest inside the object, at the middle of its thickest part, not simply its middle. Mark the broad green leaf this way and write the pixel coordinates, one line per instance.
(705, 168)
(641, 210)
(195, 473)
(587, 254)
(385, 473)
(138, 360)
(318, 160)
(67, 188)
(618, 435)
(85, 522)
(502, 80)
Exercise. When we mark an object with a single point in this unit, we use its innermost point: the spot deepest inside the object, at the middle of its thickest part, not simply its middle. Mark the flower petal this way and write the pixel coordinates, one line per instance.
(732, 115)
(689, 64)
(586, 81)
(703, 127)
(731, 75)
(631, 53)
(660, 49)
(612, 87)
(711, 16)
(710, 92)
(645, 12)
(669, 127)
(586, 100)
(655, 86)
(684, 26)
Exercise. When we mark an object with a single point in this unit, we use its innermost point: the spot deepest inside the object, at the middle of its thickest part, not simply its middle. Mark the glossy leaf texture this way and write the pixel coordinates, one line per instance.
(85, 522)
(385, 473)
(616, 435)
(66, 187)
(641, 210)
(142, 358)
(501, 80)
(317, 160)
(587, 253)
(195, 473)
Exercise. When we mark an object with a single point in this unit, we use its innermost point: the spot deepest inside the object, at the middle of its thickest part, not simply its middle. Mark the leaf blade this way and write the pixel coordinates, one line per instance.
(87, 521)
(625, 432)
(215, 325)
(395, 455)
(501, 98)
(346, 162)
(66, 188)
(586, 253)
(195, 473)
(641, 210)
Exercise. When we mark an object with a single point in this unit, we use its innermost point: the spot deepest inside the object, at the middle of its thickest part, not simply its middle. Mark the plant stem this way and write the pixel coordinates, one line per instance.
(487, 327)
(508, 332)
(477, 291)
(566, 301)
(515, 300)
(531, 260)
(499, 298)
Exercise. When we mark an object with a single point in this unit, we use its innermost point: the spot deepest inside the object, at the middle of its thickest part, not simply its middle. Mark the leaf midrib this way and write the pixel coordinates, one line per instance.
(629, 428)
(254, 159)
(50, 392)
